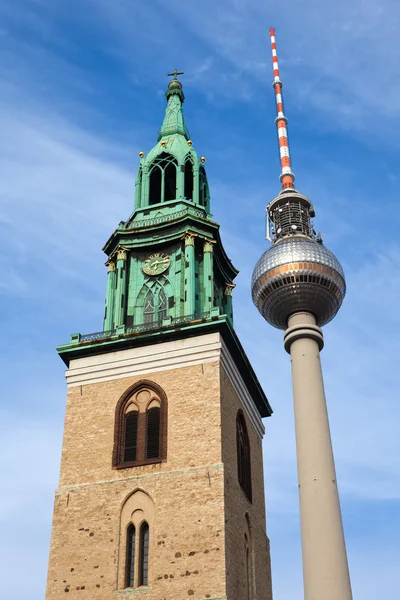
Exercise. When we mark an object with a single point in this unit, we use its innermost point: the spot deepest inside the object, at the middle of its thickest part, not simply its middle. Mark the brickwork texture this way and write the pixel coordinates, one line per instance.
(197, 513)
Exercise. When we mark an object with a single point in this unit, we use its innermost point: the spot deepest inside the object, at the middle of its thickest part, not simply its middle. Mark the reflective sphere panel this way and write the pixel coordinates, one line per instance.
(298, 274)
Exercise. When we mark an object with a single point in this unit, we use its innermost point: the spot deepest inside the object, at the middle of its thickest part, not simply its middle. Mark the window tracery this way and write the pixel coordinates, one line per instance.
(140, 426)
(153, 301)
(148, 310)
(162, 177)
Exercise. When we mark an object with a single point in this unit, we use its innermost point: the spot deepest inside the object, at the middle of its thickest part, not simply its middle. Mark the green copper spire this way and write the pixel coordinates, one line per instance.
(169, 276)
(172, 171)
(174, 121)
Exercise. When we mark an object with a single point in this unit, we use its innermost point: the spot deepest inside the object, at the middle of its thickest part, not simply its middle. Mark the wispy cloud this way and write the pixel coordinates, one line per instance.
(81, 91)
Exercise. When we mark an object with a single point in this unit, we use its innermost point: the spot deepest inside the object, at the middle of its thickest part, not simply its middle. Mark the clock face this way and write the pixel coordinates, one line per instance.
(156, 264)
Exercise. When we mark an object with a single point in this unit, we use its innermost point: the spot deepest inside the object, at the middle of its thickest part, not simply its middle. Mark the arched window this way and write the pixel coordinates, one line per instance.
(153, 432)
(243, 455)
(140, 435)
(162, 306)
(130, 556)
(163, 179)
(144, 554)
(170, 182)
(188, 180)
(155, 185)
(203, 188)
(130, 436)
(136, 524)
(148, 311)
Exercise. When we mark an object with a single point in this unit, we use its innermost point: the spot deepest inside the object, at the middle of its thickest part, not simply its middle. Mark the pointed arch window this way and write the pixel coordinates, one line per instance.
(188, 180)
(143, 567)
(170, 182)
(144, 554)
(130, 436)
(155, 305)
(153, 432)
(163, 179)
(140, 434)
(149, 311)
(130, 556)
(156, 176)
(243, 455)
(135, 541)
(203, 188)
(162, 306)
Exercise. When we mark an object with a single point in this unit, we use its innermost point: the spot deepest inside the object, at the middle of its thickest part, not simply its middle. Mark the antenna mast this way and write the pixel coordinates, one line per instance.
(286, 177)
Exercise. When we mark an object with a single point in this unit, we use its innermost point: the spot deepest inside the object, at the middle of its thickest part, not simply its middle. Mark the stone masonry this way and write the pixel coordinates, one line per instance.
(199, 512)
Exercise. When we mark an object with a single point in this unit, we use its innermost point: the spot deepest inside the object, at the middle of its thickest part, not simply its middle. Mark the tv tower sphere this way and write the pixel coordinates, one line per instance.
(297, 274)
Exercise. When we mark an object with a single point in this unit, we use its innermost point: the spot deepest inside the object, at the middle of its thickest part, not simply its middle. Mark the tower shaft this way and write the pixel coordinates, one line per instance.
(325, 568)
(298, 285)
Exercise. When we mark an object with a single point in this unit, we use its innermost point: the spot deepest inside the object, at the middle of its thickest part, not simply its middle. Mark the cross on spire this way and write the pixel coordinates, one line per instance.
(175, 74)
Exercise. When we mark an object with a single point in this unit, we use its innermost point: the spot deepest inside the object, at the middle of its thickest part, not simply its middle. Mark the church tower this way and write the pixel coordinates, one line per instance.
(161, 492)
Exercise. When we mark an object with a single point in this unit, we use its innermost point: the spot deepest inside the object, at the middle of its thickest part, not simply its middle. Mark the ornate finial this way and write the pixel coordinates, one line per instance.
(175, 74)
(175, 83)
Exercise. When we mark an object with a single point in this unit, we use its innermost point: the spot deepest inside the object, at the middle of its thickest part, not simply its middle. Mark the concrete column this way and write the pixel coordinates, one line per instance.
(208, 275)
(190, 274)
(120, 292)
(109, 316)
(325, 568)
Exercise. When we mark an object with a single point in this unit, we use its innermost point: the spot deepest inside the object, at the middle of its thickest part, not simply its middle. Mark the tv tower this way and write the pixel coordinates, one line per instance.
(298, 285)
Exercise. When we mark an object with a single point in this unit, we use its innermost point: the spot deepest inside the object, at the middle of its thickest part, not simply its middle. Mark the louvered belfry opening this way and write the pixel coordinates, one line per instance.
(189, 180)
(163, 179)
(202, 187)
(243, 455)
(153, 433)
(130, 556)
(155, 185)
(130, 437)
(170, 182)
(144, 554)
(140, 434)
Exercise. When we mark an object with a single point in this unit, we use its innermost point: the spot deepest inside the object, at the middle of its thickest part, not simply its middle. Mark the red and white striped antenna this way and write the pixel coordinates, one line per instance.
(286, 177)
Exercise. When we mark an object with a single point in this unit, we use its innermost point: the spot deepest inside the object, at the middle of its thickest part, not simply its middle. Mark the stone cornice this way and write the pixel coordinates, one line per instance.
(151, 343)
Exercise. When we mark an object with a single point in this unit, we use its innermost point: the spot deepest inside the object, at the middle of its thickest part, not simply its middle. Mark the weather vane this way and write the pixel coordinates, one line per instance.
(175, 74)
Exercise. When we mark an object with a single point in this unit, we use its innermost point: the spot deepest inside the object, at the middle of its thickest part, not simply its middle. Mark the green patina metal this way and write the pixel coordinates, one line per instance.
(171, 218)
(112, 341)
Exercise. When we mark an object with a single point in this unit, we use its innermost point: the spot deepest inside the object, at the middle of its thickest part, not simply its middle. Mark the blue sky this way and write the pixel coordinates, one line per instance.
(81, 93)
